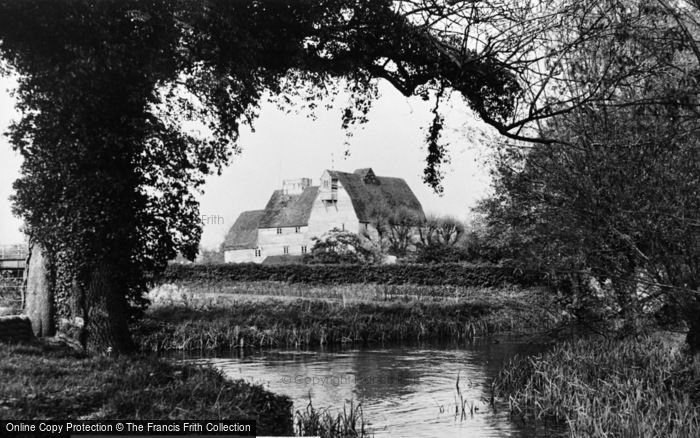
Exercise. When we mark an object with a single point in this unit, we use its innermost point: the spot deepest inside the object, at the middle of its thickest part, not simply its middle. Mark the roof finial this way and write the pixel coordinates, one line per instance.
(279, 174)
(332, 161)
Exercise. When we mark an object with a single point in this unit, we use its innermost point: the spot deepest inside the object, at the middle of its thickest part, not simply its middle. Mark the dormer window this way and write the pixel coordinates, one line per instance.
(329, 193)
(370, 178)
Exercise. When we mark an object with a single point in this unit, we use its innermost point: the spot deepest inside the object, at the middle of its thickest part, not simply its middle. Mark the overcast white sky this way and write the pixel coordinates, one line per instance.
(291, 146)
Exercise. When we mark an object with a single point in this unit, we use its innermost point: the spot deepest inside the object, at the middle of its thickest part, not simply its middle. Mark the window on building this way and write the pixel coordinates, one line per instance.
(286, 250)
(297, 229)
(303, 249)
(258, 252)
(366, 226)
(279, 230)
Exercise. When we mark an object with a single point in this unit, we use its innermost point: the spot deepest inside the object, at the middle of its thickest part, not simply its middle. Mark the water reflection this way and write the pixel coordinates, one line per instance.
(405, 391)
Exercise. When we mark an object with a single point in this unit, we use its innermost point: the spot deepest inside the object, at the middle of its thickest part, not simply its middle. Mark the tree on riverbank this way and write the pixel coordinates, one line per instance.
(440, 240)
(618, 198)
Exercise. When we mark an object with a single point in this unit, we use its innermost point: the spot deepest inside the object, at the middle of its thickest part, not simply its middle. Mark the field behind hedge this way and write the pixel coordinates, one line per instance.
(419, 274)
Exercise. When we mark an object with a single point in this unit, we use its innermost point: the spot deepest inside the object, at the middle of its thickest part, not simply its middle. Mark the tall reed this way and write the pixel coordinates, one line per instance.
(349, 422)
(621, 388)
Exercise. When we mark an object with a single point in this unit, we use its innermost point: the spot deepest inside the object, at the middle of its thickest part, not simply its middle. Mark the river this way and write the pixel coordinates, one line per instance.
(404, 391)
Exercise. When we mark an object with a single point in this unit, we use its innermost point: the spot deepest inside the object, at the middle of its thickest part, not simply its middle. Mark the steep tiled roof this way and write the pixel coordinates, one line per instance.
(288, 210)
(386, 192)
(244, 232)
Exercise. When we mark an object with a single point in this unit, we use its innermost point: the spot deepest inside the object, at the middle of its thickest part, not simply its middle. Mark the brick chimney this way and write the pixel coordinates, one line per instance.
(295, 186)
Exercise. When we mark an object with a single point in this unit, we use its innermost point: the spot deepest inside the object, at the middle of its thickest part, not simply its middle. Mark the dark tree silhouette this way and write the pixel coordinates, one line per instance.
(617, 198)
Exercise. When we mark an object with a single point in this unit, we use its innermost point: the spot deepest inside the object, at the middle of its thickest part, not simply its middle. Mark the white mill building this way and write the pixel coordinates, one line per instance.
(300, 211)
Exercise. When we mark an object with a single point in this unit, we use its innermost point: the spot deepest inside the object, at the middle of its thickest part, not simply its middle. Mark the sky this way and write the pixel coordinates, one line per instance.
(286, 146)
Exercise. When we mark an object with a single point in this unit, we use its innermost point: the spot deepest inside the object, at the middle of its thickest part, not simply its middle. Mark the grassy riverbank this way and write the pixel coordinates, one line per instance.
(252, 319)
(622, 388)
(46, 381)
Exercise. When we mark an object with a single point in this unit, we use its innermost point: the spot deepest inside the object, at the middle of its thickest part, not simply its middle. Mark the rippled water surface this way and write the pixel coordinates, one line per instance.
(405, 391)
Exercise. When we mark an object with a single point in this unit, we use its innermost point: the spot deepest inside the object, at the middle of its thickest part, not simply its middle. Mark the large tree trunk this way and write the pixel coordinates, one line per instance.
(39, 295)
(106, 312)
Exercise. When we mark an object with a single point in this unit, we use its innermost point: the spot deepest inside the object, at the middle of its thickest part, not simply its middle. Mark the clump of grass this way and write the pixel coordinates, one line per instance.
(622, 388)
(42, 381)
(348, 423)
(302, 322)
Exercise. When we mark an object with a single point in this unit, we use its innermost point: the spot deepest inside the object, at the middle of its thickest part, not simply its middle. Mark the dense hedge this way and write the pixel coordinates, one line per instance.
(433, 274)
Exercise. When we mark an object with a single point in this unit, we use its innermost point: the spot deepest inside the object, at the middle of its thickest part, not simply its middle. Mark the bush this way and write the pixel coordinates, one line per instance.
(339, 247)
(441, 254)
(432, 275)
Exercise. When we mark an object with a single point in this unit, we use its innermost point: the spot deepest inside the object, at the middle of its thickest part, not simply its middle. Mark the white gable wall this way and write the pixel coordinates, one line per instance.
(328, 215)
